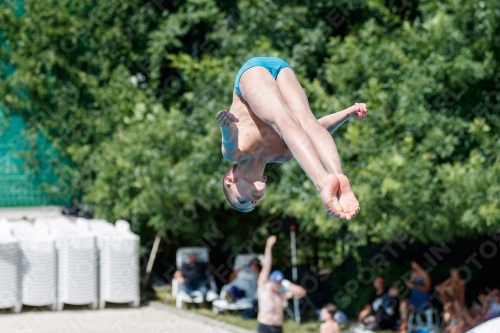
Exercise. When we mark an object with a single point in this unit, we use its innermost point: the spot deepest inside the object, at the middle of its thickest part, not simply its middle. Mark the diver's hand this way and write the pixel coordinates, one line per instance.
(225, 118)
(358, 111)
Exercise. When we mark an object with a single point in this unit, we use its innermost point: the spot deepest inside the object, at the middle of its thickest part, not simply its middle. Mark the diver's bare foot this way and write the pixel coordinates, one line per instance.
(347, 199)
(329, 197)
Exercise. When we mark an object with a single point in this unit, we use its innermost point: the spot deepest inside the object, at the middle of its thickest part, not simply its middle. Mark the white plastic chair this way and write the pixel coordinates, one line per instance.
(182, 254)
(245, 259)
(428, 319)
(222, 304)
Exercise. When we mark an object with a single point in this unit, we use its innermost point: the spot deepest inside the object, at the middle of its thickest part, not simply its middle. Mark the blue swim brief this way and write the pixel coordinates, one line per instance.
(272, 64)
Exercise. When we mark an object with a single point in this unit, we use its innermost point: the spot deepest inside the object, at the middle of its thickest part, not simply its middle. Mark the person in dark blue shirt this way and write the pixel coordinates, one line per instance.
(193, 276)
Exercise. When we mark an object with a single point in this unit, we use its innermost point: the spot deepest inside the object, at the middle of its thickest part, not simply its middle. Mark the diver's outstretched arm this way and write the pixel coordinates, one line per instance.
(333, 121)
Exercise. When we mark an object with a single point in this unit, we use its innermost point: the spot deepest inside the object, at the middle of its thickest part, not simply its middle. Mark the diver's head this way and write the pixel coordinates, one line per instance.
(241, 192)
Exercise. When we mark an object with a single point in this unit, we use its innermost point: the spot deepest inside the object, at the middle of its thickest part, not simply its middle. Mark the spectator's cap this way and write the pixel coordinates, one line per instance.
(276, 276)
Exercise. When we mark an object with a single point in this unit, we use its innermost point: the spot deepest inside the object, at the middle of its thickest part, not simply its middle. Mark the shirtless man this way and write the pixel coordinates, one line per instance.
(452, 293)
(270, 121)
(452, 289)
(271, 293)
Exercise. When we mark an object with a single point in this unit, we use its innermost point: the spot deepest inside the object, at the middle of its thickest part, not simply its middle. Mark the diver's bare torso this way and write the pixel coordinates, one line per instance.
(257, 139)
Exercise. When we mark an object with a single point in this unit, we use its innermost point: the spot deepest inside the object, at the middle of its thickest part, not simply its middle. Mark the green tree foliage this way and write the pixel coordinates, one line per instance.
(128, 91)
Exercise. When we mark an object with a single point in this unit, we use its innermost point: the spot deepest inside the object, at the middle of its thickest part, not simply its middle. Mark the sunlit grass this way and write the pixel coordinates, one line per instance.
(309, 321)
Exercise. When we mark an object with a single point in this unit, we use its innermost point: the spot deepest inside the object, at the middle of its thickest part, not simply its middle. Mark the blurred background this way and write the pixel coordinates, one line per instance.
(108, 107)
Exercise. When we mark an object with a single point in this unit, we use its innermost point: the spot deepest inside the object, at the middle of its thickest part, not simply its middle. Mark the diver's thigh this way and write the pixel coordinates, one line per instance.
(294, 96)
(261, 92)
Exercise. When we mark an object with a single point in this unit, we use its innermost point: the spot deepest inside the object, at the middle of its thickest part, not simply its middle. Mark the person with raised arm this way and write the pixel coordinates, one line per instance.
(273, 290)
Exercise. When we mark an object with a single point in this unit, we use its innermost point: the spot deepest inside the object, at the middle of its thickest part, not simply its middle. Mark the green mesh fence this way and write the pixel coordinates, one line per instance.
(20, 185)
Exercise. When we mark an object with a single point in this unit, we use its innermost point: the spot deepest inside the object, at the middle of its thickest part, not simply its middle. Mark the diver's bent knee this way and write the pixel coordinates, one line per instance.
(311, 124)
(282, 125)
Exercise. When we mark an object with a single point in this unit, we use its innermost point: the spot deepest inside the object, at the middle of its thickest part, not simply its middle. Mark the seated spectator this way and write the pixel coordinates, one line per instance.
(489, 309)
(243, 282)
(452, 293)
(477, 311)
(193, 276)
(452, 289)
(381, 312)
(493, 305)
(327, 314)
(420, 286)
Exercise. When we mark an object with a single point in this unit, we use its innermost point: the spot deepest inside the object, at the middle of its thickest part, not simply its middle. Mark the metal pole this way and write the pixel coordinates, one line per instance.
(296, 308)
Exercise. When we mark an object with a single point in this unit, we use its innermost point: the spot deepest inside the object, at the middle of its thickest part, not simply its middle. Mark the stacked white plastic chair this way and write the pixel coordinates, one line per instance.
(119, 261)
(222, 304)
(39, 264)
(78, 262)
(182, 254)
(10, 268)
